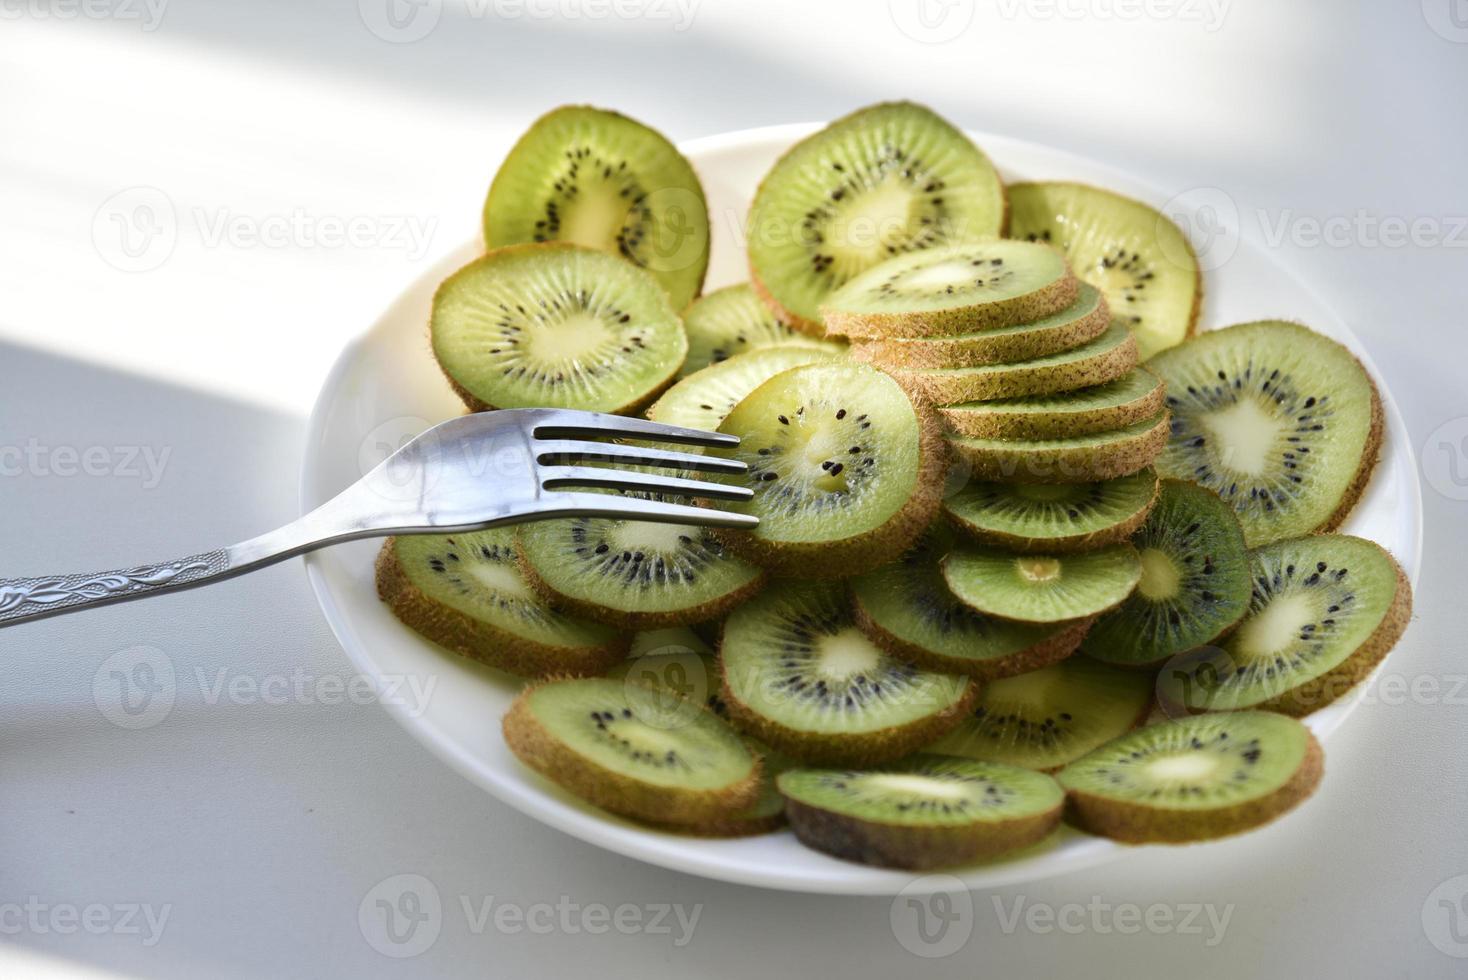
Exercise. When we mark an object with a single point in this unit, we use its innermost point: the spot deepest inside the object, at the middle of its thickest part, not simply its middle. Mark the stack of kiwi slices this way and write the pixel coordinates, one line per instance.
(1029, 551)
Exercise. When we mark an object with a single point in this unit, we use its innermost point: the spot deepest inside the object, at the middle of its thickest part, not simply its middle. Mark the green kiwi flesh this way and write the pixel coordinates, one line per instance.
(952, 289)
(732, 321)
(886, 179)
(1135, 255)
(586, 736)
(1110, 356)
(703, 399)
(1052, 517)
(1075, 459)
(1079, 323)
(598, 179)
(555, 326)
(1042, 588)
(1194, 778)
(1281, 422)
(635, 574)
(799, 675)
(924, 812)
(466, 592)
(1134, 397)
(1194, 585)
(1324, 611)
(845, 467)
(906, 608)
(1050, 717)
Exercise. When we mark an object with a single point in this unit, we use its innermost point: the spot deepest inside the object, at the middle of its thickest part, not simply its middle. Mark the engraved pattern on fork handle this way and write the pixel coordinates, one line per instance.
(44, 595)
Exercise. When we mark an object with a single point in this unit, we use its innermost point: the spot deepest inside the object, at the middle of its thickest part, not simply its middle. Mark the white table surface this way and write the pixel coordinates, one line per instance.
(152, 404)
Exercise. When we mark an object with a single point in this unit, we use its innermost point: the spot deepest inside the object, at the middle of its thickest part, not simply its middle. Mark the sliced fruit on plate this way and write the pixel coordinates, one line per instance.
(1325, 610)
(1134, 254)
(1079, 459)
(907, 609)
(1194, 778)
(1050, 717)
(598, 179)
(703, 399)
(846, 470)
(1194, 586)
(1108, 357)
(1052, 517)
(799, 675)
(733, 321)
(952, 289)
(586, 736)
(466, 592)
(557, 326)
(889, 178)
(924, 812)
(1042, 588)
(1136, 396)
(1283, 423)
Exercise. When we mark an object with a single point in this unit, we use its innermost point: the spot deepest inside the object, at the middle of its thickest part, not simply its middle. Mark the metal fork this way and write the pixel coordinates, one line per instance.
(470, 473)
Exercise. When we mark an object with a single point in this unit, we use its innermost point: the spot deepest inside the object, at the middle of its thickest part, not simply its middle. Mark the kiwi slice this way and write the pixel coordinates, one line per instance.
(635, 574)
(1135, 397)
(466, 592)
(586, 736)
(889, 178)
(732, 321)
(1131, 252)
(1042, 588)
(846, 470)
(1281, 422)
(1108, 357)
(952, 289)
(1194, 778)
(1053, 517)
(906, 608)
(703, 399)
(555, 326)
(1076, 459)
(598, 179)
(1324, 611)
(1077, 324)
(798, 674)
(1194, 585)
(928, 811)
(1050, 717)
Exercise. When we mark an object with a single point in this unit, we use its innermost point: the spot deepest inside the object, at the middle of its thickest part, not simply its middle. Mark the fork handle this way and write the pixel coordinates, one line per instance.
(24, 599)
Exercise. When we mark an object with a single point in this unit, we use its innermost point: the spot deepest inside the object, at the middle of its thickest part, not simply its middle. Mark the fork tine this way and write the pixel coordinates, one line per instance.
(569, 424)
(639, 509)
(555, 477)
(570, 450)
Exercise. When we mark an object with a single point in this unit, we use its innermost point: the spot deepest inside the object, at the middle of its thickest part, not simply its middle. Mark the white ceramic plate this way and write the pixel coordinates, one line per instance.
(385, 388)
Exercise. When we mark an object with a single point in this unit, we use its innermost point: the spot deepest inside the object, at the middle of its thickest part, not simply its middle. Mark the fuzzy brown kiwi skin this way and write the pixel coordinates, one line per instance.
(1131, 824)
(846, 749)
(1035, 305)
(998, 426)
(914, 848)
(792, 320)
(1331, 685)
(1053, 649)
(1018, 381)
(1370, 456)
(480, 641)
(548, 755)
(980, 349)
(1065, 546)
(1066, 466)
(628, 619)
(864, 552)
